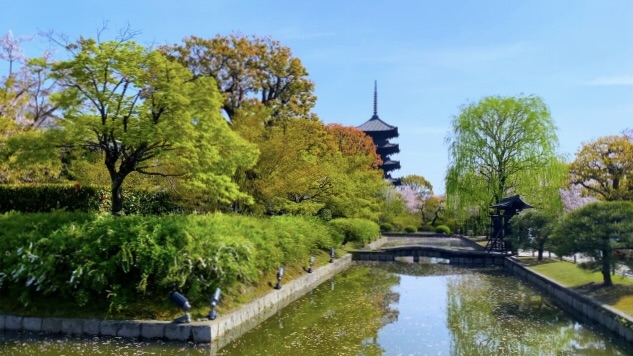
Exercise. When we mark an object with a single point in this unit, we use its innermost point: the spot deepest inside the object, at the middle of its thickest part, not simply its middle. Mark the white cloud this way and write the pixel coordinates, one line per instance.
(623, 80)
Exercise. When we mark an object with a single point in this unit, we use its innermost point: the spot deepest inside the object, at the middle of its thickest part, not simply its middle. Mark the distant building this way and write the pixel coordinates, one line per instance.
(381, 132)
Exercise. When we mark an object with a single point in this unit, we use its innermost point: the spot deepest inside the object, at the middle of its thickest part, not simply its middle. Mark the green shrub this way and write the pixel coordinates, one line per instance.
(401, 221)
(442, 229)
(325, 214)
(386, 227)
(356, 230)
(149, 203)
(72, 197)
(48, 197)
(410, 229)
(95, 257)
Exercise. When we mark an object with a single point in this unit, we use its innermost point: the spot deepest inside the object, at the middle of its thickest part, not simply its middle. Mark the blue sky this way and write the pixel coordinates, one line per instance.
(429, 57)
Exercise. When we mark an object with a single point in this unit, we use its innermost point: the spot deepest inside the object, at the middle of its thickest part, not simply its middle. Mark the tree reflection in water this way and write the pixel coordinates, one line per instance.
(491, 314)
(344, 320)
(415, 309)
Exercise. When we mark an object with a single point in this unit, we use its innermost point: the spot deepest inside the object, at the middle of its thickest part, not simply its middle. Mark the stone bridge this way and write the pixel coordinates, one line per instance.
(456, 250)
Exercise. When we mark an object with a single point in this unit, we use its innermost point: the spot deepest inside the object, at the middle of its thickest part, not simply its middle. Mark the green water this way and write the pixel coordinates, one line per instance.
(407, 309)
(384, 309)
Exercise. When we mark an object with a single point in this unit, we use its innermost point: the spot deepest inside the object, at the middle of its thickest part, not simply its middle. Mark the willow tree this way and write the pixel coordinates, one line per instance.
(145, 114)
(501, 146)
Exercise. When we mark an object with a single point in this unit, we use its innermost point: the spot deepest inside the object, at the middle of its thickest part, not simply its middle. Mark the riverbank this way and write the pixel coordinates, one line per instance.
(224, 329)
(575, 302)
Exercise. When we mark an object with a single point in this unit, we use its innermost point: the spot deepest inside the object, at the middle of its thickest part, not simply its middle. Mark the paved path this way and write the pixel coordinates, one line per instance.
(416, 240)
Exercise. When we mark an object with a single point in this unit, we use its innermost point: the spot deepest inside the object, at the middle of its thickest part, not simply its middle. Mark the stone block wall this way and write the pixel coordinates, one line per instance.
(576, 304)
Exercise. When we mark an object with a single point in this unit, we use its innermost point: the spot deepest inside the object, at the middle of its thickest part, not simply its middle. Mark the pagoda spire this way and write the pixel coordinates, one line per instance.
(375, 98)
(381, 133)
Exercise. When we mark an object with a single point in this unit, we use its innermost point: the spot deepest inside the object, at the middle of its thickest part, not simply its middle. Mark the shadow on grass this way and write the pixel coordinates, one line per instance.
(607, 295)
(533, 261)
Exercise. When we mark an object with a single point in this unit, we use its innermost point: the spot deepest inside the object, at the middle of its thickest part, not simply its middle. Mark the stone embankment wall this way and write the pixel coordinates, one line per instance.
(221, 331)
(578, 305)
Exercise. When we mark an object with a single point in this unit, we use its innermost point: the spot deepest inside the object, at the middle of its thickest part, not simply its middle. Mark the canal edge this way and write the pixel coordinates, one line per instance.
(219, 332)
(582, 307)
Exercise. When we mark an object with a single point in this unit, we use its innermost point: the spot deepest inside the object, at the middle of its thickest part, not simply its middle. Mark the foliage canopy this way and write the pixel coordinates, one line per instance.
(604, 168)
(596, 230)
(501, 146)
(146, 114)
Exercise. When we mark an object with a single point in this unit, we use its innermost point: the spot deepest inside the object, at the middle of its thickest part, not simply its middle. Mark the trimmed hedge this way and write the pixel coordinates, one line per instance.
(116, 260)
(48, 197)
(356, 230)
(38, 198)
(442, 229)
(410, 229)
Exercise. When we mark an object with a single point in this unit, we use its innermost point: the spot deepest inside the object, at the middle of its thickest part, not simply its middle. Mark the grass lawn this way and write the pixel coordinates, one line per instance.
(480, 240)
(619, 296)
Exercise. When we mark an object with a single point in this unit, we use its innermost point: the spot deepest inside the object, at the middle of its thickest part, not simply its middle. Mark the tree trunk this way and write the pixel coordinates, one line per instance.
(606, 267)
(540, 254)
(117, 196)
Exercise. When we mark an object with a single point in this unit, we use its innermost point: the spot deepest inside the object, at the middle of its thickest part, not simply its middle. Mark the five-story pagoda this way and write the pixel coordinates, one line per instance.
(381, 132)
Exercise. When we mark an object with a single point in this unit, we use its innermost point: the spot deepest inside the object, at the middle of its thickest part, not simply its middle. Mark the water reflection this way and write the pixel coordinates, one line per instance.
(488, 313)
(338, 318)
(425, 310)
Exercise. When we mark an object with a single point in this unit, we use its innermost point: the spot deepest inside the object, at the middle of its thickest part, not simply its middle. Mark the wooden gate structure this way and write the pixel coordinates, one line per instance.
(500, 222)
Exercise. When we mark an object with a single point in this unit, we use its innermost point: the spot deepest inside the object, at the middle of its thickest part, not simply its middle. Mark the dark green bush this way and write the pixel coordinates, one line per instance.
(442, 229)
(88, 257)
(48, 197)
(325, 214)
(37, 198)
(410, 229)
(149, 203)
(386, 227)
(356, 230)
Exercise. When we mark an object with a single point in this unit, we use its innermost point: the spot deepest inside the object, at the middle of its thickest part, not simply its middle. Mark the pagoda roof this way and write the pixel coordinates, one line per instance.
(390, 162)
(512, 202)
(375, 124)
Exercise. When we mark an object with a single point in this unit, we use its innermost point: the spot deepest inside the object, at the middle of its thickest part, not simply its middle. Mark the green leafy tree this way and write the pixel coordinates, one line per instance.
(146, 114)
(305, 167)
(604, 168)
(357, 182)
(502, 146)
(532, 229)
(295, 171)
(250, 69)
(24, 107)
(596, 230)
